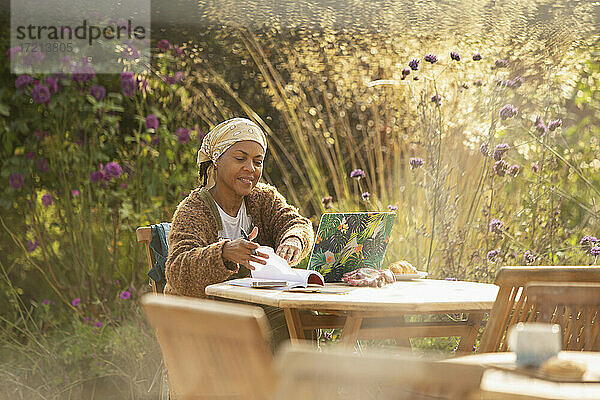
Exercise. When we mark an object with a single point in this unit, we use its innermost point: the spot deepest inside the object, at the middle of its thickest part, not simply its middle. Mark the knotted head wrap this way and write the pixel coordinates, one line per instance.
(222, 137)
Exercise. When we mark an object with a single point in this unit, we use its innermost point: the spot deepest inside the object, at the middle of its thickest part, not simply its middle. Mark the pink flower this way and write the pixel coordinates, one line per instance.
(183, 135)
(31, 246)
(74, 192)
(46, 302)
(75, 302)
(98, 324)
(125, 295)
(163, 44)
(152, 122)
(47, 199)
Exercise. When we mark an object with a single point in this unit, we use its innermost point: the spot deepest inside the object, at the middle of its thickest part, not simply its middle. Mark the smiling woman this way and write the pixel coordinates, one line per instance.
(206, 240)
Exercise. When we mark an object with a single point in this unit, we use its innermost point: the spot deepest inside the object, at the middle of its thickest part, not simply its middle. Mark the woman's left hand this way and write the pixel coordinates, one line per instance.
(290, 249)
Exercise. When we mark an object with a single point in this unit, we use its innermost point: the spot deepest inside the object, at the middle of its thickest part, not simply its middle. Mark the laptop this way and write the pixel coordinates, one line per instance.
(348, 241)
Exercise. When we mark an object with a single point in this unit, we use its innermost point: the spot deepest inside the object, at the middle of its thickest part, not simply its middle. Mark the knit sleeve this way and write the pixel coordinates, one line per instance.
(286, 221)
(193, 263)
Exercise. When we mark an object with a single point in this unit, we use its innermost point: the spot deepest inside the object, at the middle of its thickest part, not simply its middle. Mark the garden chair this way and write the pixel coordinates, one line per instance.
(155, 240)
(574, 306)
(212, 349)
(513, 306)
(307, 373)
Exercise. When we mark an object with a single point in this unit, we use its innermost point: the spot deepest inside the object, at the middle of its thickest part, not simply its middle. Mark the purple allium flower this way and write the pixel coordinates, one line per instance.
(40, 94)
(405, 72)
(46, 302)
(392, 207)
(366, 196)
(75, 302)
(552, 125)
(492, 254)
(535, 167)
(415, 162)
(52, 84)
(23, 81)
(477, 57)
(39, 135)
(183, 135)
(516, 82)
(508, 111)
(501, 63)
(112, 170)
(42, 165)
(163, 44)
(16, 181)
(98, 92)
(326, 201)
(478, 82)
(125, 295)
(178, 51)
(499, 150)
(432, 58)
(414, 64)
(30, 155)
(47, 199)
(11, 52)
(484, 149)
(595, 251)
(31, 246)
(455, 56)
(151, 122)
(96, 176)
(436, 98)
(496, 226)
(74, 192)
(179, 76)
(500, 167)
(588, 242)
(540, 126)
(127, 84)
(98, 324)
(357, 173)
(513, 170)
(528, 257)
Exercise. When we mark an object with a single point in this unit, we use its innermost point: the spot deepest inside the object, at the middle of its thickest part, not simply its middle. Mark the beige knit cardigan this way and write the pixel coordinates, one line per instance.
(195, 254)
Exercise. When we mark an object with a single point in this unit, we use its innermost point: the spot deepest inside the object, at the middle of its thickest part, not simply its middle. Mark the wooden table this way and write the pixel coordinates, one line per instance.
(501, 384)
(372, 313)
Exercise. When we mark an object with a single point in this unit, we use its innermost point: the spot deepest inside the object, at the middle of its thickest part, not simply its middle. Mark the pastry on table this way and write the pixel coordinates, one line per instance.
(403, 267)
(562, 369)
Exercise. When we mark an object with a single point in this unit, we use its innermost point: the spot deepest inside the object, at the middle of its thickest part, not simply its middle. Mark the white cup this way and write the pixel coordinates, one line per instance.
(534, 343)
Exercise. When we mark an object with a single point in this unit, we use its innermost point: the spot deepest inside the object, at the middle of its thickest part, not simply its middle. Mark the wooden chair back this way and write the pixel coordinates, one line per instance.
(512, 306)
(212, 349)
(574, 306)
(144, 236)
(307, 373)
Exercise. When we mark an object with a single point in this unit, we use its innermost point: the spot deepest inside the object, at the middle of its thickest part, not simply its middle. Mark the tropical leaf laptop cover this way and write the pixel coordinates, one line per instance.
(348, 241)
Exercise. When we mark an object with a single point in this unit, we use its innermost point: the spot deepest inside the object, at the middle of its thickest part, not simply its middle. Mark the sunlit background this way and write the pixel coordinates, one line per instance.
(476, 121)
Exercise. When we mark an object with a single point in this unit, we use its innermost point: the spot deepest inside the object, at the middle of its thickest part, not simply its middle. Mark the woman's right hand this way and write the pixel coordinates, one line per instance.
(240, 251)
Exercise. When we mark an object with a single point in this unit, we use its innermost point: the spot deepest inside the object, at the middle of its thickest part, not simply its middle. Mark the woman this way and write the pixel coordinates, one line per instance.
(205, 241)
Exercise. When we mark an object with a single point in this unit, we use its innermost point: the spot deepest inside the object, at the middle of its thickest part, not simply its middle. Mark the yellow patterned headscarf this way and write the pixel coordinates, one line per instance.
(223, 136)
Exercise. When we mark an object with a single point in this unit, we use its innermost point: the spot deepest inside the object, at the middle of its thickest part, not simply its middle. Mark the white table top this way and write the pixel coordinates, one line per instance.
(500, 384)
(416, 296)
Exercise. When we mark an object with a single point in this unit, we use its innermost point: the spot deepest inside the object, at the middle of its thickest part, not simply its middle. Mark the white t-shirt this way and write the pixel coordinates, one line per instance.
(232, 225)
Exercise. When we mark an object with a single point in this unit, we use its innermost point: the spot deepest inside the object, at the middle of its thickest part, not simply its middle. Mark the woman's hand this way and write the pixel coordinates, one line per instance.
(241, 251)
(290, 249)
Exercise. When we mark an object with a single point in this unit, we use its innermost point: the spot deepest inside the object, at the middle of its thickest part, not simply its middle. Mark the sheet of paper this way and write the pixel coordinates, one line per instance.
(278, 268)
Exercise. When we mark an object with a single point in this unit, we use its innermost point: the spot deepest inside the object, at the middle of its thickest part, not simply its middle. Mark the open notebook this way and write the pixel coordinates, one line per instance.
(278, 272)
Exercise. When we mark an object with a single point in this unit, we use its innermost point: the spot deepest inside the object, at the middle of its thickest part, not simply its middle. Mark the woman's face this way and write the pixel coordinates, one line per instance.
(240, 167)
